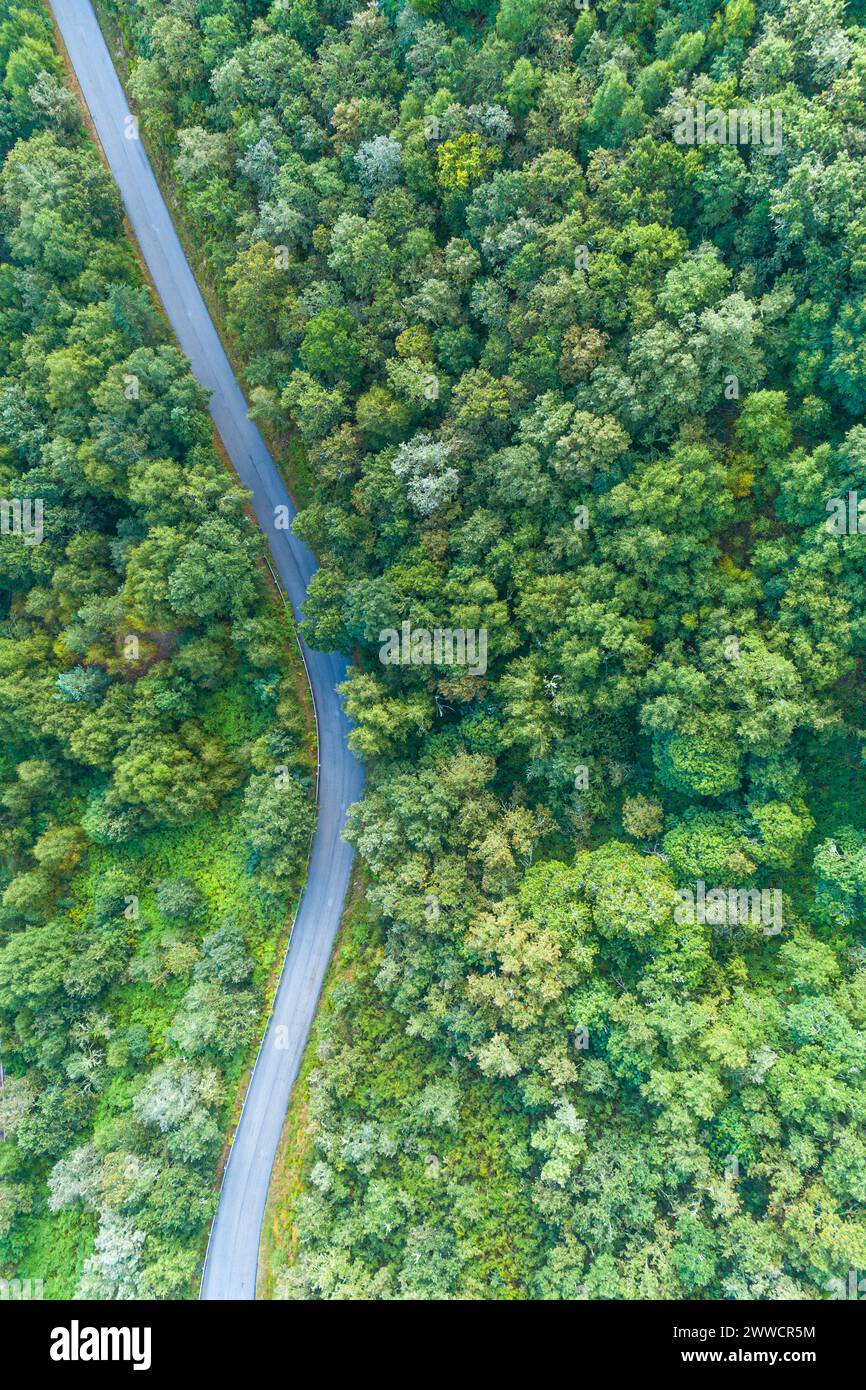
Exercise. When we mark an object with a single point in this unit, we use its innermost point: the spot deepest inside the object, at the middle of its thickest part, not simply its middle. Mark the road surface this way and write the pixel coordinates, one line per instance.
(230, 1269)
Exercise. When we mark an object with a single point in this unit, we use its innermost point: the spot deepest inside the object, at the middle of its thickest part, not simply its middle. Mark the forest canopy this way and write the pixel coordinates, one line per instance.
(147, 697)
(568, 375)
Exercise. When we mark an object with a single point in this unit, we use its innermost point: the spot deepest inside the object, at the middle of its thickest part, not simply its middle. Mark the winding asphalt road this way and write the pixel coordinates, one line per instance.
(230, 1268)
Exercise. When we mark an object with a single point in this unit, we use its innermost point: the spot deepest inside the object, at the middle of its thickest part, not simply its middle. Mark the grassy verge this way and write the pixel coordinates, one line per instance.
(212, 854)
(361, 1049)
(295, 1155)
